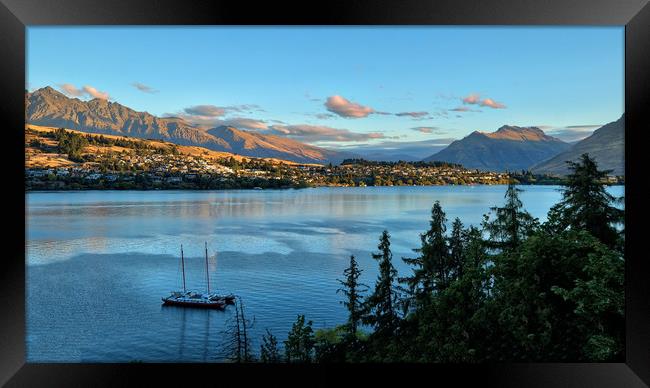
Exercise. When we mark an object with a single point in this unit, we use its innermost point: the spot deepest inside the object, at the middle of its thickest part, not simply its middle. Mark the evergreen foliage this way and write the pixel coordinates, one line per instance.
(354, 304)
(512, 290)
(381, 305)
(269, 352)
(299, 346)
(586, 205)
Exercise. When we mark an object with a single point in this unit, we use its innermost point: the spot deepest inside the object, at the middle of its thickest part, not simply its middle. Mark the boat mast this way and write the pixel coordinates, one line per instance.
(207, 274)
(183, 266)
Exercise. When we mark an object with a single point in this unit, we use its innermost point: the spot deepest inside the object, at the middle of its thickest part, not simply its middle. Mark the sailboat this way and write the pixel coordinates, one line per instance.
(195, 299)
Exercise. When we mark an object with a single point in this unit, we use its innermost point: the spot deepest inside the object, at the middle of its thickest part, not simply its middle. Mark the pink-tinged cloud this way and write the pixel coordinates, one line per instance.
(464, 109)
(425, 129)
(71, 90)
(472, 99)
(492, 104)
(317, 133)
(346, 108)
(95, 93)
(86, 90)
(475, 99)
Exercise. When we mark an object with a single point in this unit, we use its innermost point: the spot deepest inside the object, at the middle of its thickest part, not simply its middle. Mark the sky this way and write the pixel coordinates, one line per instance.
(345, 87)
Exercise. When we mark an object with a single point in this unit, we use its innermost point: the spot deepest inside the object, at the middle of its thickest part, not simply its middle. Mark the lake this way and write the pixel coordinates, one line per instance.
(98, 262)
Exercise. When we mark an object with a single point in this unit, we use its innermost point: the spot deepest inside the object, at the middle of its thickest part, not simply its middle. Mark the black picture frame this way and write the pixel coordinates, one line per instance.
(16, 15)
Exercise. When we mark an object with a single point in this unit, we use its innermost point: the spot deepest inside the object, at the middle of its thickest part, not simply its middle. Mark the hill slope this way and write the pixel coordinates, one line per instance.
(50, 108)
(606, 145)
(509, 148)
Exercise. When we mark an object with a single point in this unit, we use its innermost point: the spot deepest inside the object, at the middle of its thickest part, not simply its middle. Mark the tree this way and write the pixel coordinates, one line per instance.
(381, 303)
(459, 326)
(431, 268)
(299, 346)
(511, 224)
(557, 298)
(351, 289)
(456, 248)
(237, 346)
(269, 352)
(587, 205)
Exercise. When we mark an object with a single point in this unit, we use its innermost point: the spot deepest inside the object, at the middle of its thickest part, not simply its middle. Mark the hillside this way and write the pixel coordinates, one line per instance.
(509, 148)
(50, 108)
(37, 157)
(606, 145)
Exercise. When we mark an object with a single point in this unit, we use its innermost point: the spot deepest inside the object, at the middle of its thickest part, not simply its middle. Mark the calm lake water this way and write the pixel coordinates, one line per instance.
(98, 262)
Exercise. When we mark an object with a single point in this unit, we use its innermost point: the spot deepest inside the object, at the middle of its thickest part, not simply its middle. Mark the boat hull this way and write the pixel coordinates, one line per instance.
(198, 304)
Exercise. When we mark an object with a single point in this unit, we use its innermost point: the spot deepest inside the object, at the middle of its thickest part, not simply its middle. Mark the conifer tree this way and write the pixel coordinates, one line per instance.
(269, 352)
(352, 290)
(299, 346)
(456, 248)
(431, 268)
(381, 305)
(586, 204)
(511, 223)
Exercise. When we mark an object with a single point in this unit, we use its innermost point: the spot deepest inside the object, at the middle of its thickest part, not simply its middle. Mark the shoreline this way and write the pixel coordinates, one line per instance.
(274, 189)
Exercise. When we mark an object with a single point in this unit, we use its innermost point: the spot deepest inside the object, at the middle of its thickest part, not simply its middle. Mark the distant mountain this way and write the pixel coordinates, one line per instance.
(48, 107)
(606, 145)
(509, 148)
(393, 151)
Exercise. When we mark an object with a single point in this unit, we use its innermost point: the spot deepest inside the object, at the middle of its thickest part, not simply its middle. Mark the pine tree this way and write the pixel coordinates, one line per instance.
(381, 306)
(351, 289)
(587, 205)
(511, 224)
(431, 270)
(299, 346)
(456, 248)
(269, 352)
(458, 330)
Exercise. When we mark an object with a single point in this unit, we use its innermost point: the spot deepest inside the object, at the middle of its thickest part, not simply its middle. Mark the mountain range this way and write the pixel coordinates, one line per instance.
(606, 145)
(509, 148)
(48, 107)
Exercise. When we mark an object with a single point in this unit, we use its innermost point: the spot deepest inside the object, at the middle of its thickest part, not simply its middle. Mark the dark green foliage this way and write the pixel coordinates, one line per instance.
(269, 352)
(557, 298)
(586, 205)
(352, 290)
(511, 224)
(432, 268)
(456, 248)
(71, 144)
(363, 162)
(381, 304)
(528, 292)
(299, 346)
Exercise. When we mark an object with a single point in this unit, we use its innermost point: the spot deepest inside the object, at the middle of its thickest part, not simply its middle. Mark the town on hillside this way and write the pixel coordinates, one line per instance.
(61, 159)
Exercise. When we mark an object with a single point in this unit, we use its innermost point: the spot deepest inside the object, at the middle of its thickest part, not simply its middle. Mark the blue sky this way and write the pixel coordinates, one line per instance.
(345, 86)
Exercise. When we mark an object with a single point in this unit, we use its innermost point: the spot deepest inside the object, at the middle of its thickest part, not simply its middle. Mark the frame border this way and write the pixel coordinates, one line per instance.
(17, 15)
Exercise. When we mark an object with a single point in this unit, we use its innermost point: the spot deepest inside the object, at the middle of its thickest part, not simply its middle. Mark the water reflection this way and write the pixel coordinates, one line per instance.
(115, 254)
